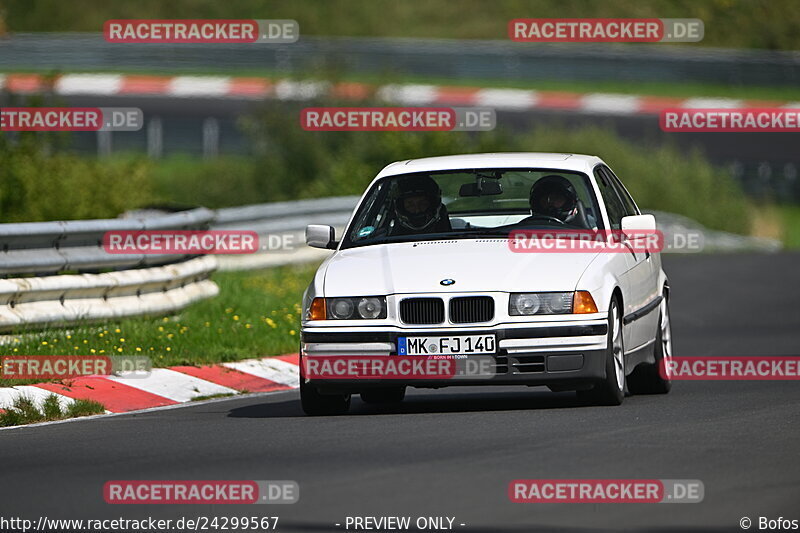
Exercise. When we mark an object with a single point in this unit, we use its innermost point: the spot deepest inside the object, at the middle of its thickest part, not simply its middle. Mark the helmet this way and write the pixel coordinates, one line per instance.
(554, 196)
(418, 202)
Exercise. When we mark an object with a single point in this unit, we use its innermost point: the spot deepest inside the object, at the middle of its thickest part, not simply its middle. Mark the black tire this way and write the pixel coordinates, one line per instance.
(316, 404)
(647, 378)
(383, 395)
(610, 391)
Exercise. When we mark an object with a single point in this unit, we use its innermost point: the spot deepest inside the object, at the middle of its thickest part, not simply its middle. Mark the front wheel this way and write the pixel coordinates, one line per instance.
(611, 391)
(317, 404)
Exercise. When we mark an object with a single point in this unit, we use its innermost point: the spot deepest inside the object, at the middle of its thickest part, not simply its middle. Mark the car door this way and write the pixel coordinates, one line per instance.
(643, 276)
(622, 263)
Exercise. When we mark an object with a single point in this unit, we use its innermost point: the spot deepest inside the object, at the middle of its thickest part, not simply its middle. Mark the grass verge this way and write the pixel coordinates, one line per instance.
(729, 23)
(25, 411)
(256, 314)
(790, 218)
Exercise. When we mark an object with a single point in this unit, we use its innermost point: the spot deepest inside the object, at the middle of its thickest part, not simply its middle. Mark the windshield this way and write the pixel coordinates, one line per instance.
(463, 204)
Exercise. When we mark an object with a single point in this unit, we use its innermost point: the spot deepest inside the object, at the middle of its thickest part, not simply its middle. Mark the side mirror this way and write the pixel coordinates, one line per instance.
(638, 225)
(320, 236)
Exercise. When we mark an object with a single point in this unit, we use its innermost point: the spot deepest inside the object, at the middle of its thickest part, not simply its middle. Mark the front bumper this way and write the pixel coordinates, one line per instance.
(560, 355)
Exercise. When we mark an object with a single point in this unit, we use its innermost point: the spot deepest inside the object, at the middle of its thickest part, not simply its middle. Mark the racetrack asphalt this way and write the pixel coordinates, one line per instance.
(453, 452)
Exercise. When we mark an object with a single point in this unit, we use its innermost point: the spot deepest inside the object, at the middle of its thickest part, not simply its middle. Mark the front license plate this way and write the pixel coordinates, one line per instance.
(458, 345)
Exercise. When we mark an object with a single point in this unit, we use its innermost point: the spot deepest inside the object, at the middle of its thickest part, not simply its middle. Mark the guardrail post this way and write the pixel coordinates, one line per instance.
(103, 143)
(155, 138)
(210, 137)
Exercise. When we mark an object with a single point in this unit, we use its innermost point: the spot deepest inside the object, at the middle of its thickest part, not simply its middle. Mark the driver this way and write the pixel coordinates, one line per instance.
(418, 207)
(554, 197)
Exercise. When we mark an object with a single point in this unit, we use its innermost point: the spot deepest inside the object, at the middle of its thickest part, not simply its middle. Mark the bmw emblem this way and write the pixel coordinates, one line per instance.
(447, 282)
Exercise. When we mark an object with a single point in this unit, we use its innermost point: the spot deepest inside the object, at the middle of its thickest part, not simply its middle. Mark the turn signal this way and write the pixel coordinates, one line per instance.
(582, 302)
(317, 310)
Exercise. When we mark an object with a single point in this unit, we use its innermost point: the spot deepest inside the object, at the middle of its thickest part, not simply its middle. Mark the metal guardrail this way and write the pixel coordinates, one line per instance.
(113, 286)
(53, 301)
(77, 245)
(287, 219)
(498, 59)
(135, 287)
(285, 216)
(136, 284)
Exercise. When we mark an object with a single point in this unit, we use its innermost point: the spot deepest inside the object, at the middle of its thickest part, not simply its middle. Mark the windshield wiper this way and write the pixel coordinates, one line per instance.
(480, 233)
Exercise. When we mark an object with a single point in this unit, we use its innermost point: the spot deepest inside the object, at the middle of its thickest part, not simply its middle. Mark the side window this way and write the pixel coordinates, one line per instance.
(627, 201)
(610, 197)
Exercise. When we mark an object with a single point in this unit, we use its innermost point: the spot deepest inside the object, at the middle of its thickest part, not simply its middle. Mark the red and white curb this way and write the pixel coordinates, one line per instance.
(166, 386)
(421, 95)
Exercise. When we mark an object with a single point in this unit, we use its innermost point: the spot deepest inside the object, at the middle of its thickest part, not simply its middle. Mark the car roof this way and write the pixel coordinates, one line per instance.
(576, 162)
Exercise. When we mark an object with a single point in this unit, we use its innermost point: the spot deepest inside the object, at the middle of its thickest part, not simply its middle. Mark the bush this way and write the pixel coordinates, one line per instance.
(290, 163)
(36, 185)
(222, 182)
(659, 178)
(299, 164)
(733, 23)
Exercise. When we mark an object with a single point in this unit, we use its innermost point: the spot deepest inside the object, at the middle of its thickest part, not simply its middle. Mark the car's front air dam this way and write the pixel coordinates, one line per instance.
(562, 370)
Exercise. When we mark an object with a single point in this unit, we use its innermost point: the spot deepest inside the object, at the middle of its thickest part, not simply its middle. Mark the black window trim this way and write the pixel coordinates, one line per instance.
(347, 243)
(598, 168)
(620, 188)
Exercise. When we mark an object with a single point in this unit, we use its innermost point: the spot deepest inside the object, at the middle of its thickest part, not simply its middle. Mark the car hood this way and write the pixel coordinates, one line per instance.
(474, 264)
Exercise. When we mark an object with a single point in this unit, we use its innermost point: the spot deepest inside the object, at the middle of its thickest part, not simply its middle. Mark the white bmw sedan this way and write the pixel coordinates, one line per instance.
(485, 257)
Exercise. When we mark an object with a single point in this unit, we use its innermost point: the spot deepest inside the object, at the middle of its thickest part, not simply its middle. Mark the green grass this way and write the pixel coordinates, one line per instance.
(25, 411)
(790, 218)
(256, 314)
(213, 396)
(729, 23)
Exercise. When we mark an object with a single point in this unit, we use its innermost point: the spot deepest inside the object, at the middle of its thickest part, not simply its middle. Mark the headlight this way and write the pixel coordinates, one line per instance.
(360, 307)
(540, 303)
(341, 307)
(370, 307)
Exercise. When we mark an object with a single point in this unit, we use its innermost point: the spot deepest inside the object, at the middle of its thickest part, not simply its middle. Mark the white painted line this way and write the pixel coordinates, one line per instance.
(101, 84)
(174, 385)
(506, 98)
(2, 81)
(792, 105)
(624, 104)
(269, 368)
(711, 103)
(190, 86)
(409, 94)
